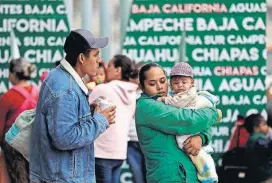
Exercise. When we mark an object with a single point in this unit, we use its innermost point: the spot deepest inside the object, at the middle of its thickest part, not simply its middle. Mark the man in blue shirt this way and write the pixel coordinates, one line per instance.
(65, 128)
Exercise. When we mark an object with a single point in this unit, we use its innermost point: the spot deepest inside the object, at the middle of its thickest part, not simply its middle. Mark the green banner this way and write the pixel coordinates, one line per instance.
(40, 28)
(223, 40)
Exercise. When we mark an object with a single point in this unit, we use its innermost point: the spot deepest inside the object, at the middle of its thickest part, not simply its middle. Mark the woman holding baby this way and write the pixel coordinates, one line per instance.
(158, 124)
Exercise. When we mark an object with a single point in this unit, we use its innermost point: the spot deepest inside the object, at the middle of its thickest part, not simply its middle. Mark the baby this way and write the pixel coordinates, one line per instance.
(185, 95)
(99, 78)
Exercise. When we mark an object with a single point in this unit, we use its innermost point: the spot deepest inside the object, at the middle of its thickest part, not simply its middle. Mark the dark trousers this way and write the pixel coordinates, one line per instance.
(107, 170)
(135, 159)
(17, 165)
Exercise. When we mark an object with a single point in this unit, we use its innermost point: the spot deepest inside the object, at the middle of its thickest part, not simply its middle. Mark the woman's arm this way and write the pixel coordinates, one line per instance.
(206, 136)
(171, 120)
(182, 99)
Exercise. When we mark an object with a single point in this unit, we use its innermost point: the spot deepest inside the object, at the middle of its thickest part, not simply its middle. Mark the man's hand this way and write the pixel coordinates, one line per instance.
(193, 145)
(109, 113)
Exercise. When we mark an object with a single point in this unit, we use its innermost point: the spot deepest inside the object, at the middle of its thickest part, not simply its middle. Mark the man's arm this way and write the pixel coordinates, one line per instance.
(67, 130)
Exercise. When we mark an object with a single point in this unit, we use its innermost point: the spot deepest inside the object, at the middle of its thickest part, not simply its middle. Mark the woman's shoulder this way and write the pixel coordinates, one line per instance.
(147, 103)
(143, 99)
(7, 96)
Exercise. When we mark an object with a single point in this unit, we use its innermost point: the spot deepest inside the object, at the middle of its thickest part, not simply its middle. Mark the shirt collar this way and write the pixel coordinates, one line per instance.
(75, 75)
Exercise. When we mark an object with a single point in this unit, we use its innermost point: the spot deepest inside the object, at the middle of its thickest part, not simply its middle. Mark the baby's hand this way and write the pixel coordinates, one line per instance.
(161, 99)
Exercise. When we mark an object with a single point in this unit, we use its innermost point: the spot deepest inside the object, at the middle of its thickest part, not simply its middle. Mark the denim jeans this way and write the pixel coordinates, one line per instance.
(107, 170)
(135, 159)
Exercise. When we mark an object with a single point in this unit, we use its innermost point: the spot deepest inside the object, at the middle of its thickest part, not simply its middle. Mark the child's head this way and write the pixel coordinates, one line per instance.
(100, 76)
(181, 77)
(256, 123)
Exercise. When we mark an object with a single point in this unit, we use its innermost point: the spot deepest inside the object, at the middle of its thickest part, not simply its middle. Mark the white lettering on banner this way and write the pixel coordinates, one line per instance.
(4, 73)
(235, 100)
(259, 99)
(194, 8)
(142, 9)
(4, 41)
(236, 71)
(264, 70)
(193, 40)
(220, 131)
(205, 85)
(11, 9)
(34, 41)
(179, 8)
(218, 145)
(56, 41)
(129, 41)
(247, 7)
(145, 55)
(4, 55)
(208, 25)
(43, 56)
(159, 40)
(230, 115)
(217, 55)
(162, 40)
(239, 84)
(38, 10)
(125, 176)
(214, 40)
(161, 25)
(244, 39)
(61, 9)
(250, 23)
(34, 25)
(202, 71)
(3, 87)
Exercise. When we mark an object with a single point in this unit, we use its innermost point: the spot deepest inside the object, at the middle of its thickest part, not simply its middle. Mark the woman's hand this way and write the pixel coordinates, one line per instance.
(220, 115)
(161, 99)
(193, 145)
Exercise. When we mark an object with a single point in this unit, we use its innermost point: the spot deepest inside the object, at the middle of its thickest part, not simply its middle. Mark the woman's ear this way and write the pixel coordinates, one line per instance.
(119, 72)
(140, 86)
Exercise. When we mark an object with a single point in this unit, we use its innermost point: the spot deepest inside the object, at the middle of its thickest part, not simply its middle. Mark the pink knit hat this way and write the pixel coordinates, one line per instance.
(182, 69)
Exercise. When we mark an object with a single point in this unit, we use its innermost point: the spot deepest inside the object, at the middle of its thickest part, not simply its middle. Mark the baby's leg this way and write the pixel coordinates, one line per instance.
(181, 139)
(206, 171)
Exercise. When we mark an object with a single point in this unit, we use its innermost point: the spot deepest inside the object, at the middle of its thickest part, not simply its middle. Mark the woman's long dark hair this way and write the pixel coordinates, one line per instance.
(126, 66)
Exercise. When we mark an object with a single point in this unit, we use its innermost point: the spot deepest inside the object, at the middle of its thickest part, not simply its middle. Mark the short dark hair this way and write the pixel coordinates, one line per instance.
(126, 66)
(253, 121)
(72, 57)
(146, 68)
